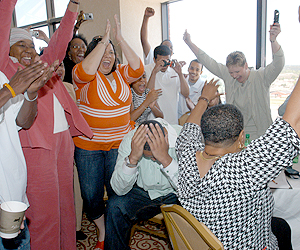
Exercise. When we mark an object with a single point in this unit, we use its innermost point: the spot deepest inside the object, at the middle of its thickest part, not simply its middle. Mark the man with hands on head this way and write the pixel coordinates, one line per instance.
(17, 111)
(145, 177)
(167, 75)
(248, 90)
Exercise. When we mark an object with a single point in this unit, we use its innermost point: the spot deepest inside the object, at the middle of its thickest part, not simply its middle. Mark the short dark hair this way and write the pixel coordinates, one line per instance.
(94, 43)
(166, 40)
(146, 146)
(197, 61)
(222, 125)
(80, 36)
(162, 50)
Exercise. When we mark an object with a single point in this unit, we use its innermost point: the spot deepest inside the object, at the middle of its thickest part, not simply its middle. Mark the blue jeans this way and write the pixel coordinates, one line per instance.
(124, 211)
(95, 168)
(21, 242)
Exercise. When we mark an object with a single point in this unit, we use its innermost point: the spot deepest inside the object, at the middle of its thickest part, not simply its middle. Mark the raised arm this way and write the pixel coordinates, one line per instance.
(214, 67)
(91, 63)
(131, 56)
(59, 41)
(6, 10)
(149, 12)
(274, 32)
(188, 41)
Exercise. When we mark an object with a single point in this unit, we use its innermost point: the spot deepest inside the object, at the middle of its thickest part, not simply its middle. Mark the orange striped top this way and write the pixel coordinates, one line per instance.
(107, 113)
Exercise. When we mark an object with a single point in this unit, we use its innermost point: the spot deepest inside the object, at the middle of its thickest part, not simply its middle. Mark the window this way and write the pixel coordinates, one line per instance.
(219, 27)
(43, 15)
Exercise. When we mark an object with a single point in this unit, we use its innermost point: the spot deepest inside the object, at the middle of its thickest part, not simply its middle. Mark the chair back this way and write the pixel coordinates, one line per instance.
(186, 232)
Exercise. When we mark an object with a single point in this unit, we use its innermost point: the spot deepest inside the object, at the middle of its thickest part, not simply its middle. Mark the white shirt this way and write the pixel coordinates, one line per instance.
(13, 172)
(148, 59)
(169, 83)
(195, 93)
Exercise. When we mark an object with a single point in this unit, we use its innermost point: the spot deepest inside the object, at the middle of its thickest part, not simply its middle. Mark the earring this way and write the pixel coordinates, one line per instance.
(241, 147)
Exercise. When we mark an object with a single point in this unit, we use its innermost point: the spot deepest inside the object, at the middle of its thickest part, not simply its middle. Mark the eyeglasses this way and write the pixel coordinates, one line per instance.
(78, 46)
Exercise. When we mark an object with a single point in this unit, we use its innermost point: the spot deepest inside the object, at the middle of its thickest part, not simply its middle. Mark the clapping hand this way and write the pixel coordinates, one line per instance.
(117, 30)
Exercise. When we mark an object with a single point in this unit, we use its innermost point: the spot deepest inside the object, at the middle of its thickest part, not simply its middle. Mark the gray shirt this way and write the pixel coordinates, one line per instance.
(252, 97)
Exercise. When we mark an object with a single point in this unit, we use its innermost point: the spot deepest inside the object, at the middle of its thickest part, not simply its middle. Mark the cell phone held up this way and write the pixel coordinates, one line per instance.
(276, 16)
(88, 16)
(34, 33)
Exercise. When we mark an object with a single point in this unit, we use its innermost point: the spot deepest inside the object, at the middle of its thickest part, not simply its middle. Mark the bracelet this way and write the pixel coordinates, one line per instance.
(104, 43)
(13, 93)
(27, 98)
(120, 42)
(72, 1)
(203, 98)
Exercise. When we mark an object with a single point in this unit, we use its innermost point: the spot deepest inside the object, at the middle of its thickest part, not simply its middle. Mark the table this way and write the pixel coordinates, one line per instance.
(287, 206)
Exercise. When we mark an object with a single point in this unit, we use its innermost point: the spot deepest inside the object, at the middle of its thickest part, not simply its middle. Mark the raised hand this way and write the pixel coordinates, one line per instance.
(176, 66)
(274, 31)
(149, 12)
(186, 37)
(210, 89)
(106, 37)
(117, 30)
(42, 36)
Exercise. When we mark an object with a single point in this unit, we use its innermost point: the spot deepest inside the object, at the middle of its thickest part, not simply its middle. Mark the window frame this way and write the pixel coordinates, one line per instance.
(50, 22)
(261, 25)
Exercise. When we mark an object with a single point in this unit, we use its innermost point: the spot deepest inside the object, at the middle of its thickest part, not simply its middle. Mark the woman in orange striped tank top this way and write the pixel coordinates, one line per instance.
(104, 98)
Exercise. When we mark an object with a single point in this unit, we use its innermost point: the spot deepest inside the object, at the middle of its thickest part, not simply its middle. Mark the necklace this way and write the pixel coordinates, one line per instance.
(214, 157)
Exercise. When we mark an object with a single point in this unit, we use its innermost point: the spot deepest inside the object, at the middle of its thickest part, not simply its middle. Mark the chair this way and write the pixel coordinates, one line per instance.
(186, 232)
(144, 226)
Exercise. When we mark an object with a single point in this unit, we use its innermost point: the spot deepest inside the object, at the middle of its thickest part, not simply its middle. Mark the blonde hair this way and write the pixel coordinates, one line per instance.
(236, 58)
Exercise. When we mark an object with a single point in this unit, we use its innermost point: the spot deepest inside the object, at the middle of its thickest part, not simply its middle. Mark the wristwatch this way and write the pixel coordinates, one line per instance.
(128, 164)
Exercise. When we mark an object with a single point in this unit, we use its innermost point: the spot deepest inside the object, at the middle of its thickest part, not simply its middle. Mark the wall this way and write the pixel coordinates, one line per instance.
(130, 14)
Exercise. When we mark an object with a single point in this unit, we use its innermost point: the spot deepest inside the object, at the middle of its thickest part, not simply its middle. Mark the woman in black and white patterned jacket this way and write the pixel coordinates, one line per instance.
(226, 187)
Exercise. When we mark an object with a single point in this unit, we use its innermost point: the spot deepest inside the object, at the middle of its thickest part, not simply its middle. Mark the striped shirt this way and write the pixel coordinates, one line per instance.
(107, 112)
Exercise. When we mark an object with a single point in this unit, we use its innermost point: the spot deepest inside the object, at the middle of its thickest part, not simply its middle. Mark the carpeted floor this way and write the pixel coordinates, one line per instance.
(139, 241)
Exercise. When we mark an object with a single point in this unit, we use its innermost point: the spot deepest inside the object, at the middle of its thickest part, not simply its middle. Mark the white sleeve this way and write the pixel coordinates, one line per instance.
(149, 58)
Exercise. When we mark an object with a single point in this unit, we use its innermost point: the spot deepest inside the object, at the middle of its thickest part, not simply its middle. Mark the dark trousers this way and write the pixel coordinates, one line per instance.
(282, 231)
(124, 211)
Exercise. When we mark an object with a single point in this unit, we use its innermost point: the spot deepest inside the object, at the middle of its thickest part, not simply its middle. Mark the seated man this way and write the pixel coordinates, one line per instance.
(169, 78)
(145, 177)
(195, 85)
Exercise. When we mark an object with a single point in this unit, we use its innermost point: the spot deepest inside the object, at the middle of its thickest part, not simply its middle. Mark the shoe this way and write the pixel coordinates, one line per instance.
(80, 235)
(99, 245)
